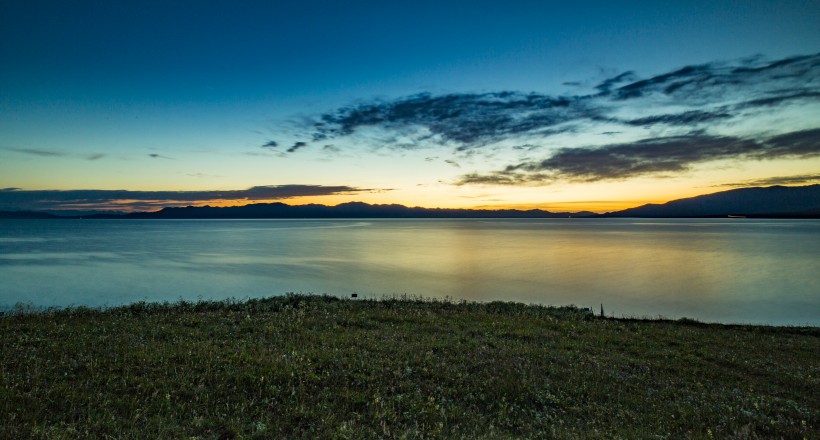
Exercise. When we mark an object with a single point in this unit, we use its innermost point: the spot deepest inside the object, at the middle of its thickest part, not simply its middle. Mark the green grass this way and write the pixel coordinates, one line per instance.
(320, 367)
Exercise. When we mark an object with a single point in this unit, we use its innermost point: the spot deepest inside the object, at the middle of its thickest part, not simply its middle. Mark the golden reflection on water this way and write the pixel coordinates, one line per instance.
(722, 270)
(637, 268)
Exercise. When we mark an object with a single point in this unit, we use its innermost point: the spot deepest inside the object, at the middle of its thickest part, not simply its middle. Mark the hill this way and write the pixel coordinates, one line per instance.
(19, 215)
(774, 201)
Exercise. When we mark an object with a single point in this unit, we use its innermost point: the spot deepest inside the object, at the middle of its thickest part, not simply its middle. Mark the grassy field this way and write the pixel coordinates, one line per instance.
(320, 367)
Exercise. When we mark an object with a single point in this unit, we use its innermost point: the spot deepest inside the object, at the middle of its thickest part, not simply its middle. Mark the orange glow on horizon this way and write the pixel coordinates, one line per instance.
(599, 207)
(593, 206)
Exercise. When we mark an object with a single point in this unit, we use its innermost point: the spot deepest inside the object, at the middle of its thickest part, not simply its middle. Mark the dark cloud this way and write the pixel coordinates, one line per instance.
(668, 82)
(686, 118)
(53, 153)
(654, 156)
(504, 178)
(779, 99)
(801, 179)
(797, 143)
(691, 98)
(690, 109)
(782, 79)
(297, 146)
(649, 156)
(159, 156)
(17, 199)
(610, 83)
(37, 152)
(465, 119)
(453, 163)
(527, 147)
(270, 144)
(497, 178)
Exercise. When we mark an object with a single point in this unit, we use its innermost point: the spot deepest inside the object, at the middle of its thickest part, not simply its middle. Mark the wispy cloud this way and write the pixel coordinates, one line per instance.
(686, 118)
(465, 120)
(504, 178)
(802, 143)
(651, 156)
(18, 199)
(610, 83)
(37, 152)
(653, 126)
(297, 146)
(203, 175)
(54, 153)
(159, 156)
(800, 179)
(751, 78)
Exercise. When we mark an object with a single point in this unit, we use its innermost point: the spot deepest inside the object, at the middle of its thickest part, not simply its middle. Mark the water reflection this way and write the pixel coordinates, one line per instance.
(715, 270)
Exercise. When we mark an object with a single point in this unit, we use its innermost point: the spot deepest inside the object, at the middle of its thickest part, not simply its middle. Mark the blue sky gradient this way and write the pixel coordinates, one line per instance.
(150, 96)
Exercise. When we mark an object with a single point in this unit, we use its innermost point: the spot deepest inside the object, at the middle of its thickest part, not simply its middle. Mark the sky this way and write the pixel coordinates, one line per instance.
(565, 106)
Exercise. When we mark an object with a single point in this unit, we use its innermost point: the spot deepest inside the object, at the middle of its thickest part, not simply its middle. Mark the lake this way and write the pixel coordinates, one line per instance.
(715, 270)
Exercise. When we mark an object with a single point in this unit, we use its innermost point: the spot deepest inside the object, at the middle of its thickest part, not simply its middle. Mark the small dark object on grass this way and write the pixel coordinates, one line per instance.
(354, 295)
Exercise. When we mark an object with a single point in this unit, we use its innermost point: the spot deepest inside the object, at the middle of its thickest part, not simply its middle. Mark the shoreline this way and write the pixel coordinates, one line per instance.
(202, 304)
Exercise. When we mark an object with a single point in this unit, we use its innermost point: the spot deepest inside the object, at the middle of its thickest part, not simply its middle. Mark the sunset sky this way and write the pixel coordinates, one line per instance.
(136, 105)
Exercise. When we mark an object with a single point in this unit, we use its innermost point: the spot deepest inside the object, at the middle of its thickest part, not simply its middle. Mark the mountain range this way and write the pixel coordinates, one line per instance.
(769, 202)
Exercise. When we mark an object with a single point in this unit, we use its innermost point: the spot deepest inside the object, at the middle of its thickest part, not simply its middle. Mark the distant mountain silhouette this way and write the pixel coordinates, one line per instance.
(4, 215)
(345, 210)
(770, 202)
(284, 211)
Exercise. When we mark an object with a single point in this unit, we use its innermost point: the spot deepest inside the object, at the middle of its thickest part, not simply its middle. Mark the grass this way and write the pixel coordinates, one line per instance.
(321, 367)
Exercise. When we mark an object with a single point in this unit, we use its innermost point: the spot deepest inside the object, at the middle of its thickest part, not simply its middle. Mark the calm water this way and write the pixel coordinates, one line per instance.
(726, 270)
